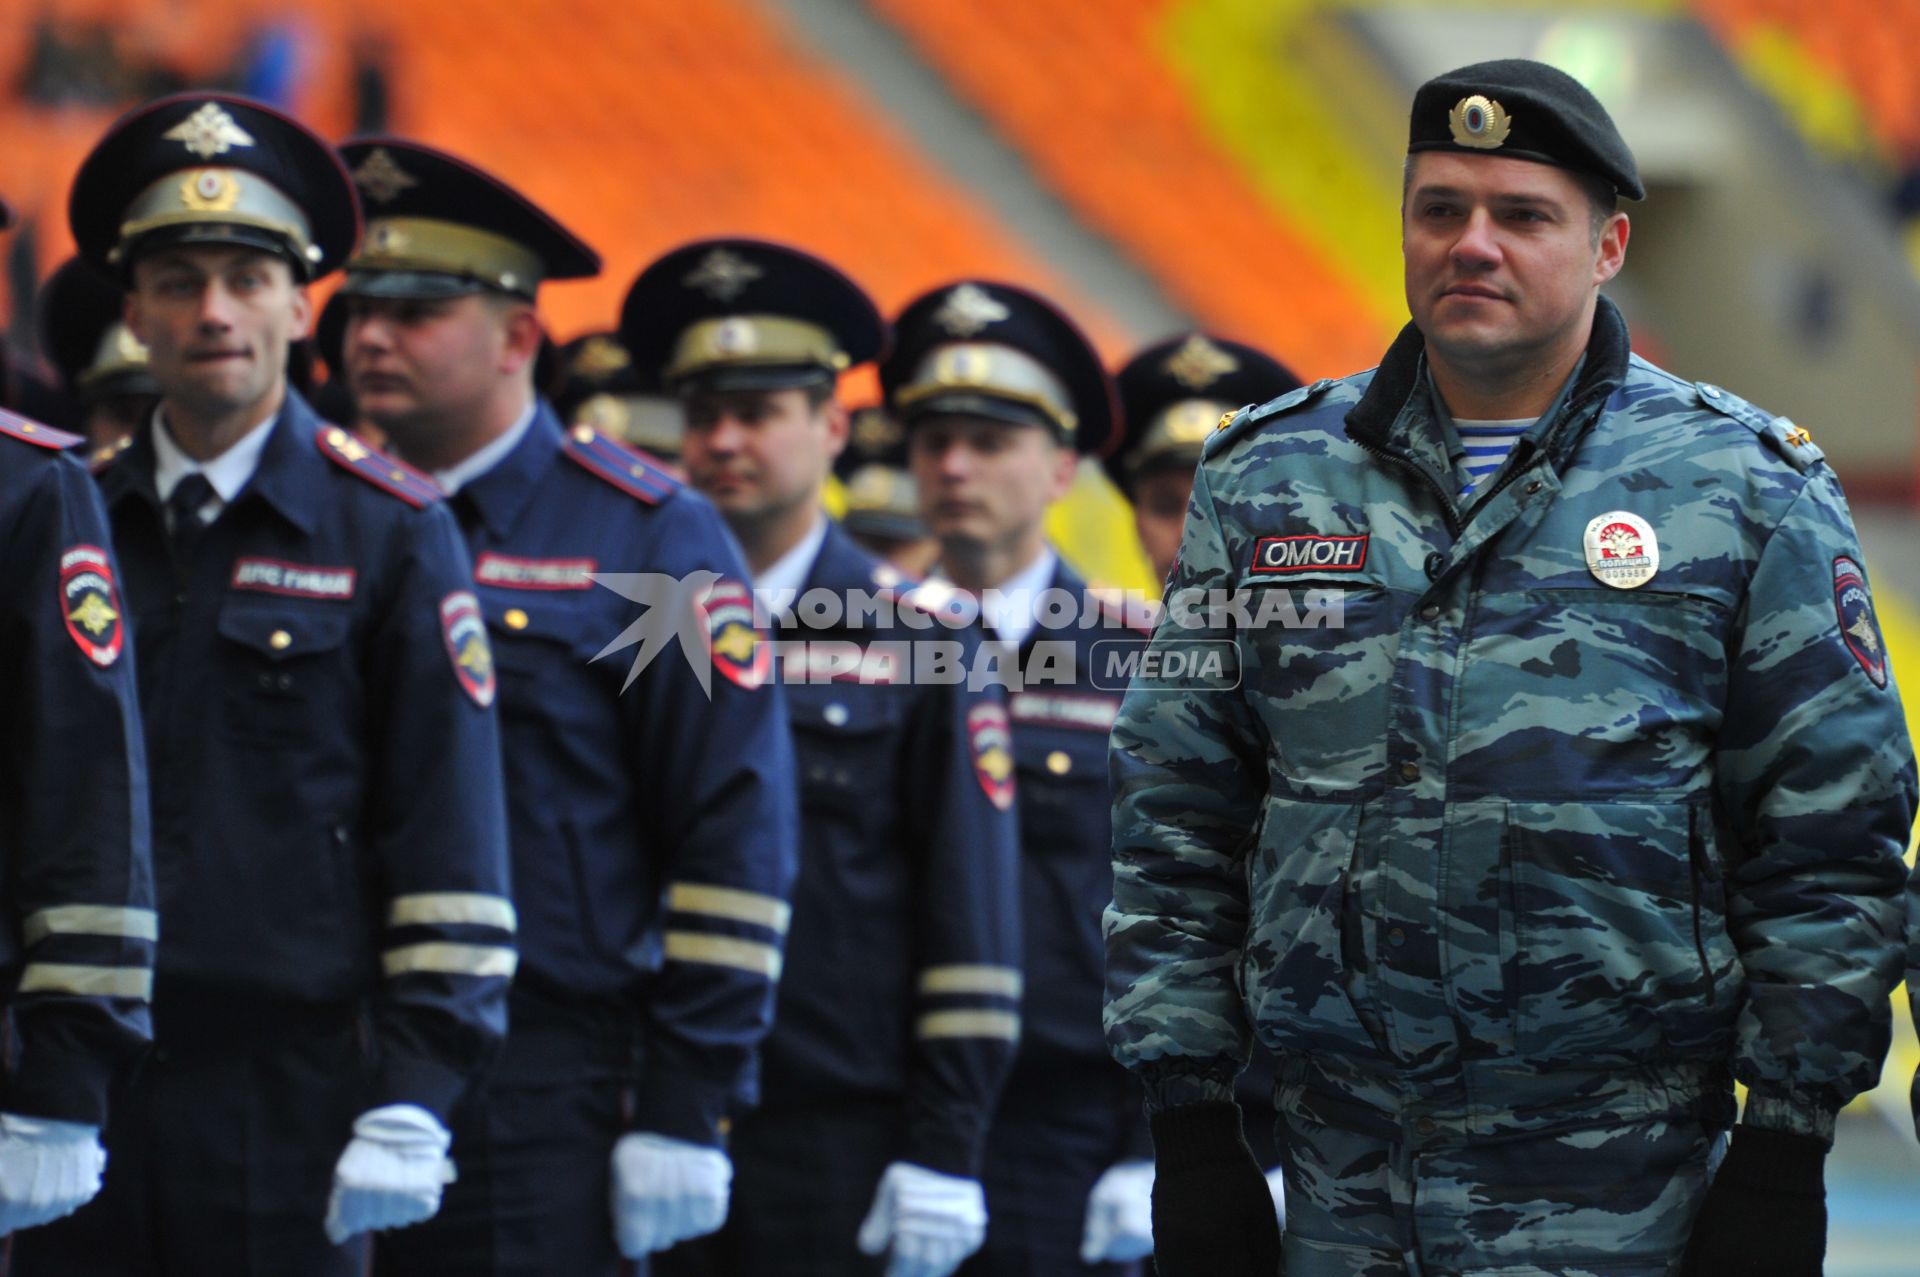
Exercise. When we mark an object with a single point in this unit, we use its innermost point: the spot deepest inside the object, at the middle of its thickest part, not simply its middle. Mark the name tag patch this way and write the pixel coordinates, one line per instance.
(295, 580)
(1274, 556)
(1062, 709)
(534, 574)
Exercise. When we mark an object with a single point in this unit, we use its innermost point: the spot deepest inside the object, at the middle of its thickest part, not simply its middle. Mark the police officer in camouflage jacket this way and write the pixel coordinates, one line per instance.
(1565, 781)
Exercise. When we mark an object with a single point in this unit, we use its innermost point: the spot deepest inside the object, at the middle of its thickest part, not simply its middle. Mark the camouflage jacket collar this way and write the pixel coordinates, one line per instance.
(1385, 417)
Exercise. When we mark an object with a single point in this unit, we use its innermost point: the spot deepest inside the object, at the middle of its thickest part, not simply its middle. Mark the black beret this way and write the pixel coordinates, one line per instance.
(1526, 110)
(979, 348)
(213, 168)
(747, 314)
(1173, 392)
(438, 226)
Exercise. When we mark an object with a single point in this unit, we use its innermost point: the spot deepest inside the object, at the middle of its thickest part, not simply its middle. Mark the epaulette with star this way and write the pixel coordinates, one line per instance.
(28, 431)
(619, 465)
(390, 475)
(1793, 443)
(1234, 424)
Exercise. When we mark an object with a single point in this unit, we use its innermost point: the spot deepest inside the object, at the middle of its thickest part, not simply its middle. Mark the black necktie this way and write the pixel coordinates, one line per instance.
(183, 513)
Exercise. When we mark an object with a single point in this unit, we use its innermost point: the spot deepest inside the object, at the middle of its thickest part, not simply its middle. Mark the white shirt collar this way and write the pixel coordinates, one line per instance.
(784, 578)
(228, 472)
(461, 473)
(1011, 609)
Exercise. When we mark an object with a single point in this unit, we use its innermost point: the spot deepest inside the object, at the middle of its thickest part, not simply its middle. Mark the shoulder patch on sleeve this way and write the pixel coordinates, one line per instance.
(1236, 424)
(28, 431)
(386, 473)
(1793, 443)
(619, 465)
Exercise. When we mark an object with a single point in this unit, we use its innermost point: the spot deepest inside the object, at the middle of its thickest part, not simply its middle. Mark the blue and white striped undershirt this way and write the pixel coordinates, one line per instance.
(1487, 444)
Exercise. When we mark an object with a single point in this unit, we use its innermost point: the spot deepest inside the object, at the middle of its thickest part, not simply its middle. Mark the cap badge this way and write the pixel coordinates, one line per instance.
(1479, 122)
(735, 336)
(386, 238)
(1621, 550)
(963, 366)
(209, 190)
(874, 431)
(1200, 363)
(600, 357)
(381, 176)
(1190, 422)
(208, 132)
(967, 310)
(723, 275)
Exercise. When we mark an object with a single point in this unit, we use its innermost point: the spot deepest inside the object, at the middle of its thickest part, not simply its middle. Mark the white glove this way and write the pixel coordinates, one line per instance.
(48, 1169)
(391, 1173)
(928, 1221)
(1277, 1185)
(1120, 1215)
(666, 1191)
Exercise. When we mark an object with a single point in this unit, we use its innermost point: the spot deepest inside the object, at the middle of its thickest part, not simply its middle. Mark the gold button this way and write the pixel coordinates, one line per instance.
(1059, 763)
(27, 427)
(398, 476)
(516, 619)
(280, 640)
(583, 434)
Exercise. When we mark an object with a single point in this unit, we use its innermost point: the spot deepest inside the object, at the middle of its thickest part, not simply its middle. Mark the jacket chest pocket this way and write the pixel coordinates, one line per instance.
(845, 743)
(1319, 668)
(1620, 944)
(284, 672)
(1063, 795)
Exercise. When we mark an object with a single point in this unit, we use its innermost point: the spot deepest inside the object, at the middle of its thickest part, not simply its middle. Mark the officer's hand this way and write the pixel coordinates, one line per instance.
(925, 1222)
(391, 1173)
(1765, 1214)
(1212, 1211)
(666, 1191)
(1119, 1225)
(48, 1169)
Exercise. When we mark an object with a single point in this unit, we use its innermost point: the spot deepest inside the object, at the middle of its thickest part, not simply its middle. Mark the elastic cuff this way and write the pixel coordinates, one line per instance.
(1170, 1087)
(1791, 1113)
(433, 1086)
(682, 1106)
(1777, 1162)
(1197, 1135)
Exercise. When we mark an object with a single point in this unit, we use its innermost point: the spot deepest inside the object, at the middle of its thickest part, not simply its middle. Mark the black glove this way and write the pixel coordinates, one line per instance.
(1765, 1214)
(1212, 1213)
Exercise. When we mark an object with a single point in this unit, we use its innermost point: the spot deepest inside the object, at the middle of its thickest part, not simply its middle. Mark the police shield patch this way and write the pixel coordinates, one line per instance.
(465, 631)
(89, 604)
(1859, 629)
(992, 743)
(733, 643)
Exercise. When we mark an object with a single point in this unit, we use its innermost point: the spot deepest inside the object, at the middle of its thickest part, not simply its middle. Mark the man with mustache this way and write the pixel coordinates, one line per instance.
(1592, 802)
(649, 812)
(317, 690)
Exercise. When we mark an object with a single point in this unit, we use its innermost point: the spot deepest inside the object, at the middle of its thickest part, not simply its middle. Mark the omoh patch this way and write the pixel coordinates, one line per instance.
(465, 631)
(89, 604)
(991, 740)
(1309, 553)
(1859, 628)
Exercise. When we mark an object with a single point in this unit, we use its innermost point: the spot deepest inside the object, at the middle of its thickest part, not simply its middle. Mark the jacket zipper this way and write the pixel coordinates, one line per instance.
(1446, 502)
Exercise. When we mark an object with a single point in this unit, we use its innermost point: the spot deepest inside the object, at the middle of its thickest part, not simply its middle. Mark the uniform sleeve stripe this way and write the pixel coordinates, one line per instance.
(450, 959)
(1004, 982)
(724, 951)
(88, 982)
(730, 903)
(444, 907)
(1004, 1025)
(90, 920)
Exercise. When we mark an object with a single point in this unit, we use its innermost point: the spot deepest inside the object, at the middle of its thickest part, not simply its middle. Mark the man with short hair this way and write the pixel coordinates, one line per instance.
(1001, 395)
(329, 843)
(652, 831)
(1593, 802)
(899, 1008)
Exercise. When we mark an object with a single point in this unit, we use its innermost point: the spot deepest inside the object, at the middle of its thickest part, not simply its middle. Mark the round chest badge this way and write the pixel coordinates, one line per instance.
(1621, 550)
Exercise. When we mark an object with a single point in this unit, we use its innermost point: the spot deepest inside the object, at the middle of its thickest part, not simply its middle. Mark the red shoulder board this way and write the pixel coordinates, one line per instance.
(619, 465)
(33, 432)
(386, 473)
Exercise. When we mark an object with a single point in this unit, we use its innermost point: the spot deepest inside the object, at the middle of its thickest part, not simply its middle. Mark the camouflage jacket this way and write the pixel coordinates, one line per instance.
(1481, 839)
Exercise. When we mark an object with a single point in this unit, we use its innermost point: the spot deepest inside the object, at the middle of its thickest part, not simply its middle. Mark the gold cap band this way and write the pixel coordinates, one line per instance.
(999, 372)
(765, 341)
(878, 489)
(1178, 428)
(217, 197)
(430, 246)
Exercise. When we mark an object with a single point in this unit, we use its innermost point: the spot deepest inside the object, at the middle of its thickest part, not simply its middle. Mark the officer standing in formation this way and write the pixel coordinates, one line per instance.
(1594, 804)
(599, 385)
(652, 828)
(104, 366)
(898, 1008)
(78, 941)
(882, 503)
(1000, 394)
(329, 842)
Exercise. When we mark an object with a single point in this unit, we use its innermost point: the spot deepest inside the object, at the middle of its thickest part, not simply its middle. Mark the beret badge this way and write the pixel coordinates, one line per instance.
(1479, 122)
